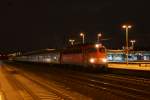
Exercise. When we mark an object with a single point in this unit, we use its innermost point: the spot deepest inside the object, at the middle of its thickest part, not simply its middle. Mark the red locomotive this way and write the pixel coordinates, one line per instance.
(88, 55)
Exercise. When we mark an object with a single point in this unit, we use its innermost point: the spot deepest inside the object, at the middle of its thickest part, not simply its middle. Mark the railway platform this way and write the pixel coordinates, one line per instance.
(136, 66)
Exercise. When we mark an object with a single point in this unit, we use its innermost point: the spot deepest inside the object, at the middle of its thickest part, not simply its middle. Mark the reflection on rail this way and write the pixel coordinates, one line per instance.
(1, 96)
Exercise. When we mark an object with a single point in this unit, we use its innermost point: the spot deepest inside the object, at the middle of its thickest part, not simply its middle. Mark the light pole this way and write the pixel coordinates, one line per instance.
(132, 43)
(127, 28)
(71, 41)
(83, 37)
(98, 37)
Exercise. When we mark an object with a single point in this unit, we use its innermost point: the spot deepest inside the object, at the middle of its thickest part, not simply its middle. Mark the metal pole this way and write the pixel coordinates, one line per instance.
(98, 39)
(127, 45)
(71, 42)
(83, 39)
(132, 42)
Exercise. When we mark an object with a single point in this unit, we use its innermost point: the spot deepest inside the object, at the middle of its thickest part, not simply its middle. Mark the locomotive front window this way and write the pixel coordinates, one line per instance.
(102, 50)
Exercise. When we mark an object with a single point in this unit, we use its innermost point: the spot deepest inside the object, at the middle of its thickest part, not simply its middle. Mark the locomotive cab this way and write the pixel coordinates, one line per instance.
(96, 55)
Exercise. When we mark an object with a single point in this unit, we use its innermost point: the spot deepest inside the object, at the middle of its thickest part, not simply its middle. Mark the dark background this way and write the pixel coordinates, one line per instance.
(36, 24)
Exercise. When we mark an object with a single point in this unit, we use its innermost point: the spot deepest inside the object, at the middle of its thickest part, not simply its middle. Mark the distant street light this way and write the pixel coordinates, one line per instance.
(127, 28)
(132, 42)
(83, 37)
(71, 41)
(98, 37)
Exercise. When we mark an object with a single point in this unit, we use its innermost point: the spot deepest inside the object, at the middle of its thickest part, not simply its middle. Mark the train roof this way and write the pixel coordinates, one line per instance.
(43, 51)
(83, 45)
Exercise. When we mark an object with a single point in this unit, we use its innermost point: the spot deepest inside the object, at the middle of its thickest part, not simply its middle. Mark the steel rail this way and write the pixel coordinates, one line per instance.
(95, 82)
(60, 95)
(137, 92)
(28, 91)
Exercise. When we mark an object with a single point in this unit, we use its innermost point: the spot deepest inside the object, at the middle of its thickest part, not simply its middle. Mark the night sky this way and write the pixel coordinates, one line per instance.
(36, 24)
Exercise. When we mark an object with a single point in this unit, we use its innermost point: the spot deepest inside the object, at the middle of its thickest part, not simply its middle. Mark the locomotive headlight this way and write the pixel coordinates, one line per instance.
(91, 60)
(104, 60)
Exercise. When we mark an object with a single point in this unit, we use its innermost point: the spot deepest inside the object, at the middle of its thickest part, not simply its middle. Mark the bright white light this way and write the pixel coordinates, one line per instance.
(81, 34)
(104, 60)
(97, 45)
(126, 26)
(129, 26)
(55, 57)
(71, 40)
(133, 41)
(48, 60)
(99, 35)
(92, 60)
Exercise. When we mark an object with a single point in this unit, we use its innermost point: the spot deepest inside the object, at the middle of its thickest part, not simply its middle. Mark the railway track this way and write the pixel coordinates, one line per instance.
(124, 87)
(135, 82)
(32, 90)
(118, 89)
